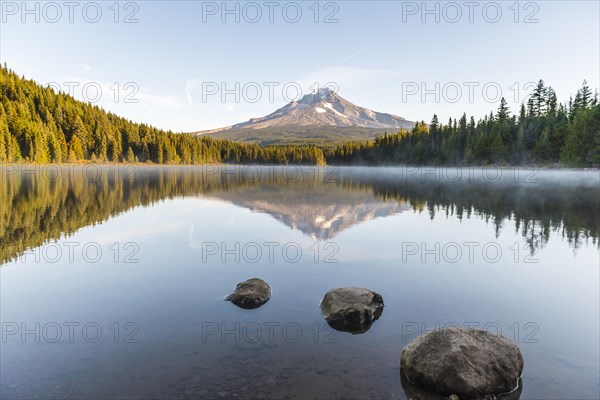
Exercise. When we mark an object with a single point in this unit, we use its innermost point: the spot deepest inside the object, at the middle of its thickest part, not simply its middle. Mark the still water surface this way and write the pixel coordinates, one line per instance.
(112, 280)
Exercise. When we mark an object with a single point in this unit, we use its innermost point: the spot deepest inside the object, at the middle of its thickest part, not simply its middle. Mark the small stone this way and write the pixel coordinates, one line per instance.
(351, 309)
(270, 382)
(250, 294)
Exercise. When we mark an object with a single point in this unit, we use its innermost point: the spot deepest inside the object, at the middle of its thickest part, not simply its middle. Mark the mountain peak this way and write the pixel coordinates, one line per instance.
(319, 95)
(323, 108)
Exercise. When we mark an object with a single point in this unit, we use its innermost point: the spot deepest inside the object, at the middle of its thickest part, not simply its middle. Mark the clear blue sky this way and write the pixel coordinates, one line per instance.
(378, 54)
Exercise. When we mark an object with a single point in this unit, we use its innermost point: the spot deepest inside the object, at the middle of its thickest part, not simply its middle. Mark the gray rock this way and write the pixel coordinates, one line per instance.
(414, 392)
(469, 363)
(351, 309)
(250, 294)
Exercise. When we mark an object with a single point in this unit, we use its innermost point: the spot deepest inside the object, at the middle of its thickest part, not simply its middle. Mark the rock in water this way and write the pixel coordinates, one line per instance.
(351, 309)
(250, 294)
(470, 363)
(414, 392)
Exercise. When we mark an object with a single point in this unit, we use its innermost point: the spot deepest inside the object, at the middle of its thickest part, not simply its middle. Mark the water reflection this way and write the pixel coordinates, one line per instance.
(192, 344)
(44, 204)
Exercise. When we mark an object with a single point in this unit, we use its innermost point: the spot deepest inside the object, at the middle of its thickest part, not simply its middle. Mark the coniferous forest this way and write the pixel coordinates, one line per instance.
(542, 131)
(41, 126)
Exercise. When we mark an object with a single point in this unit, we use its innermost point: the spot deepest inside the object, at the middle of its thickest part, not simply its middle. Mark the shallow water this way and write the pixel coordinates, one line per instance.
(124, 271)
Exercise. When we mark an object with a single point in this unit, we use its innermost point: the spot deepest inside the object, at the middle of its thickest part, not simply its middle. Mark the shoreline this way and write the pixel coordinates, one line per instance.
(530, 166)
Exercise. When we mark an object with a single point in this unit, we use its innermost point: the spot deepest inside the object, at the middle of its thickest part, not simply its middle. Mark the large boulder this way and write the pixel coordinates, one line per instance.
(249, 294)
(414, 392)
(469, 363)
(351, 309)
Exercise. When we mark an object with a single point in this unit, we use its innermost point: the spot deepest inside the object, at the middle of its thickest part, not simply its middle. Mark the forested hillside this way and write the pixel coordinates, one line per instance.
(543, 131)
(39, 125)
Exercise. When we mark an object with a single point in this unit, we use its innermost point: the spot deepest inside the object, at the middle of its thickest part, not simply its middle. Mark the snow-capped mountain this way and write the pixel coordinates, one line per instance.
(324, 109)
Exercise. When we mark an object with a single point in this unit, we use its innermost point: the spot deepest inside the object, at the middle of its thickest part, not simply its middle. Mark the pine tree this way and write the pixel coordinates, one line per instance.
(4, 136)
(39, 125)
(130, 156)
(503, 111)
(77, 150)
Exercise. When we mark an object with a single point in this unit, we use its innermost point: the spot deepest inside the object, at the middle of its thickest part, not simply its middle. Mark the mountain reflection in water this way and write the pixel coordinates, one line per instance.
(44, 203)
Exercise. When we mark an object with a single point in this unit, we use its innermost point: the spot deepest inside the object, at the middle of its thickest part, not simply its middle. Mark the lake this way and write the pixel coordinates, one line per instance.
(113, 277)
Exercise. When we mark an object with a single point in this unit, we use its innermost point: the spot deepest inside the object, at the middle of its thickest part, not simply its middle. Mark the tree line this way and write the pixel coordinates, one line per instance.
(543, 131)
(40, 125)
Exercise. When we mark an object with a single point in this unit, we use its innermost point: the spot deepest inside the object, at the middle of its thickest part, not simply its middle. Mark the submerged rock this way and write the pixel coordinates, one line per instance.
(468, 363)
(250, 294)
(415, 392)
(351, 309)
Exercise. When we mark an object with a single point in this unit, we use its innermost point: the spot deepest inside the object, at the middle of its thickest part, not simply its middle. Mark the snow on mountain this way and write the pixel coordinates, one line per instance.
(323, 108)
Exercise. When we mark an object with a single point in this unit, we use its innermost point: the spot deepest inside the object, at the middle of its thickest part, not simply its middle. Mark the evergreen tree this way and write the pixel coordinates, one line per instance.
(40, 125)
(130, 156)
